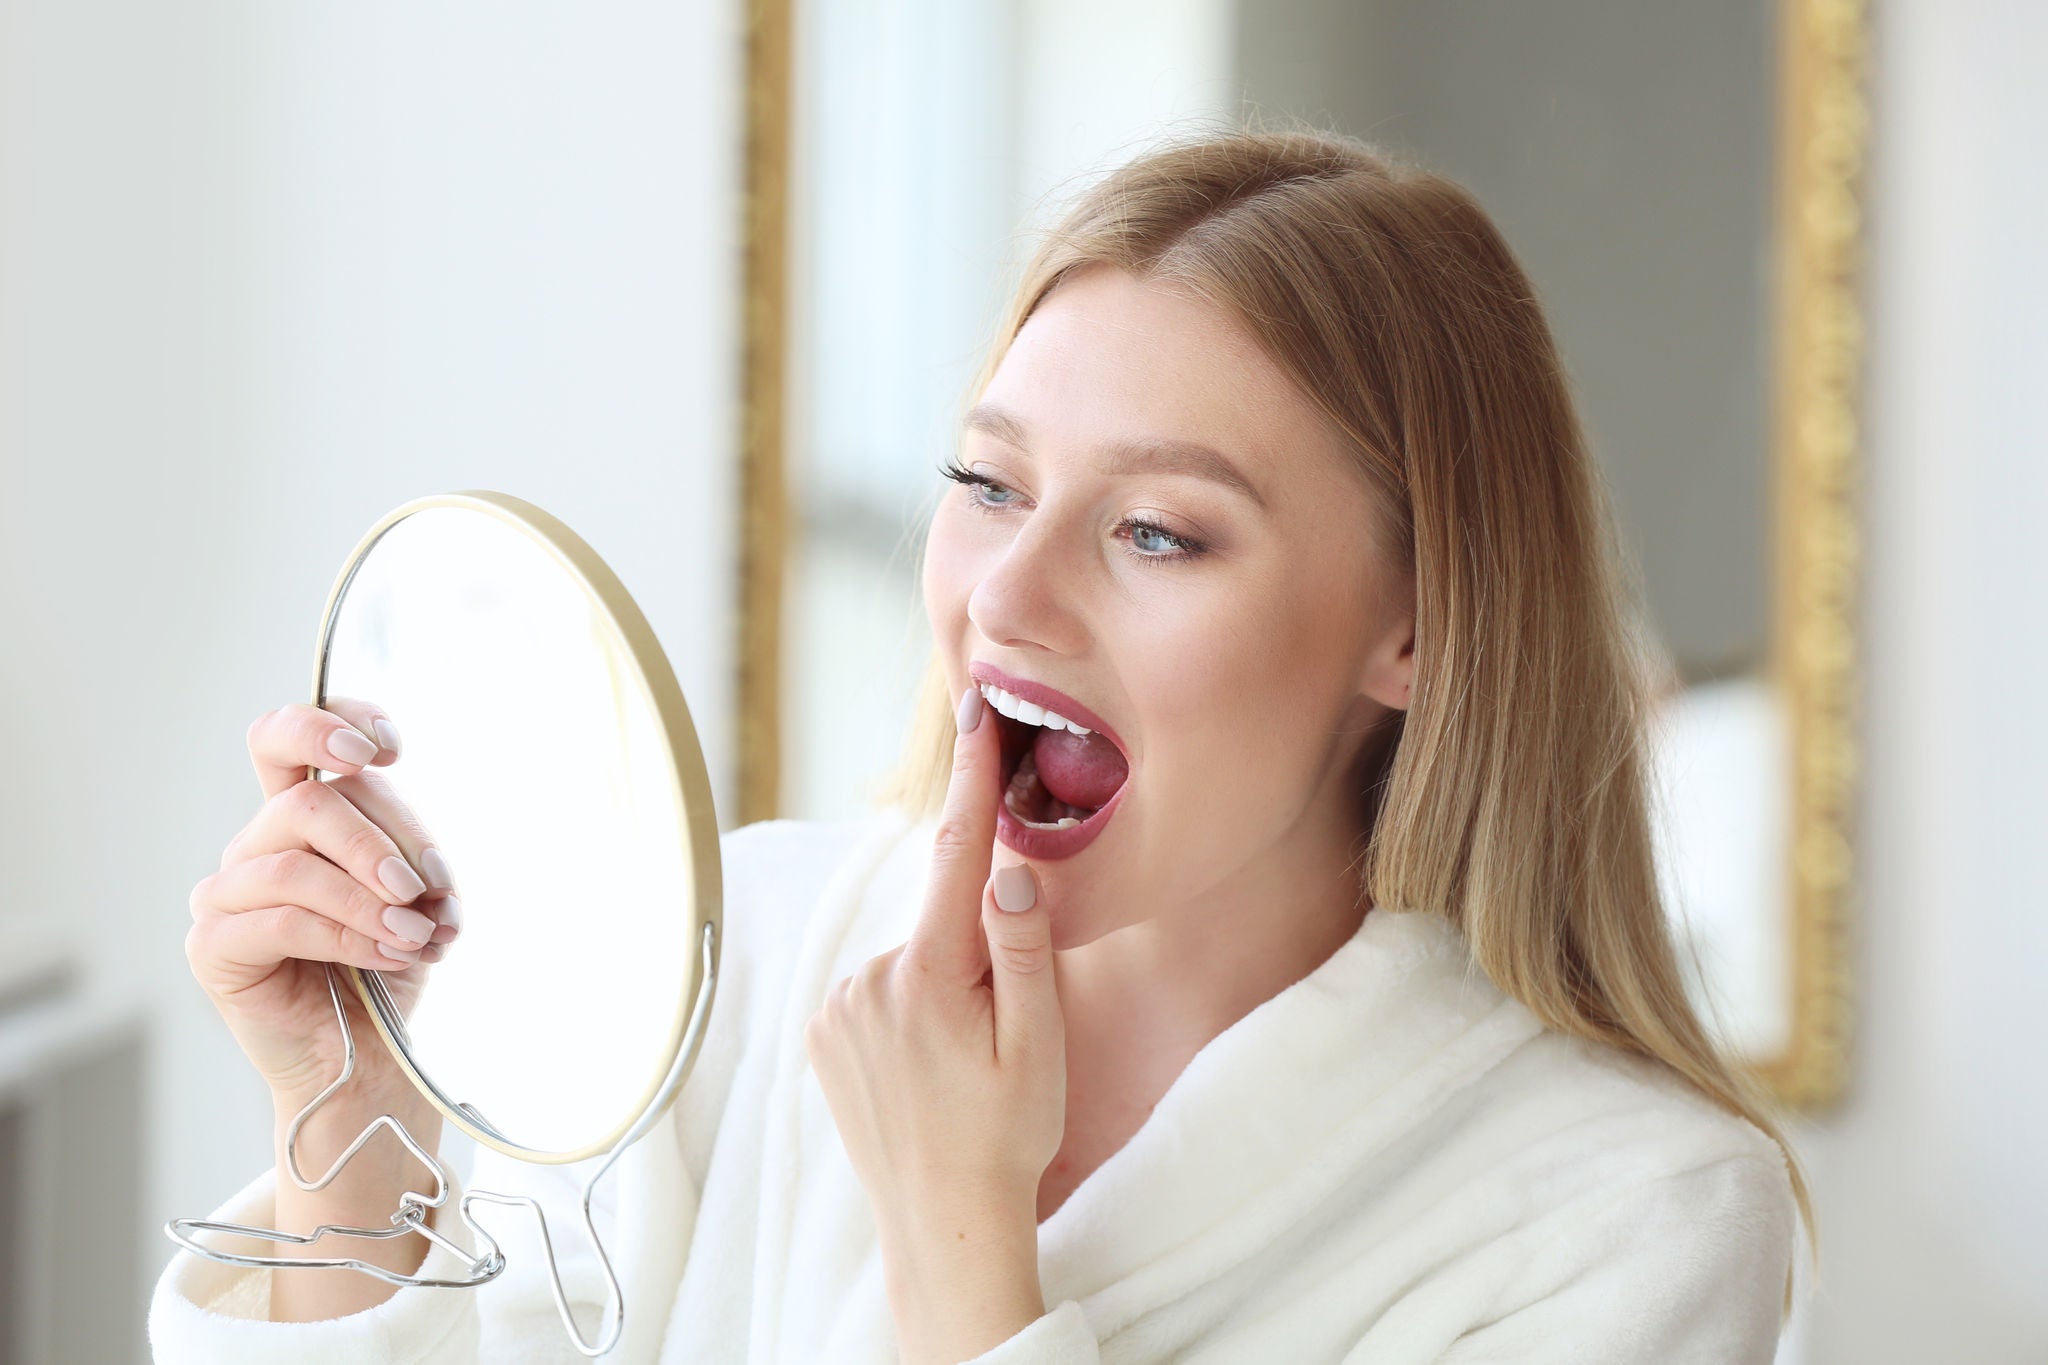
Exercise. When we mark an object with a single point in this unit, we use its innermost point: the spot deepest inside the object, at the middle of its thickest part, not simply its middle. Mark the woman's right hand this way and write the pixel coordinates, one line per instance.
(325, 872)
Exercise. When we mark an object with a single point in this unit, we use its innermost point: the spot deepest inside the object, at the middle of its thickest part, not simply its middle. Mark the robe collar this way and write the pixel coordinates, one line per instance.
(1270, 1116)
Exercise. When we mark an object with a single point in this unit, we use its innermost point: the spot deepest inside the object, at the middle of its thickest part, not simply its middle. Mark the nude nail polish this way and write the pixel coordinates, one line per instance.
(399, 879)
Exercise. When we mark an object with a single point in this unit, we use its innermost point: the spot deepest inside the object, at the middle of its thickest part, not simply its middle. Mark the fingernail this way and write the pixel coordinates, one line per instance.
(387, 733)
(968, 713)
(1016, 888)
(436, 869)
(448, 917)
(351, 746)
(431, 953)
(409, 925)
(399, 879)
(398, 955)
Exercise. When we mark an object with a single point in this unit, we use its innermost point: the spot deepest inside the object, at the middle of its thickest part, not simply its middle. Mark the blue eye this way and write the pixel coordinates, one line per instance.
(1146, 528)
(979, 485)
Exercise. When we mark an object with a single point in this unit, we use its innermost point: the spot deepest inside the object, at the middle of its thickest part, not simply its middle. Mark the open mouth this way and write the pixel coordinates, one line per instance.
(1056, 779)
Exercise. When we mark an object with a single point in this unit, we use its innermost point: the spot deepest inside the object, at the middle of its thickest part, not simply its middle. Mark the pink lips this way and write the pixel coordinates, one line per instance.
(1051, 843)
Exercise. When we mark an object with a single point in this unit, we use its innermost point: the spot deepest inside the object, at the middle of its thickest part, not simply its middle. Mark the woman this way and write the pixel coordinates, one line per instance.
(1297, 989)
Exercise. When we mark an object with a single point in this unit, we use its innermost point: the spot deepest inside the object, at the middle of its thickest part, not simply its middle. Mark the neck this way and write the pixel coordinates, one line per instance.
(1152, 994)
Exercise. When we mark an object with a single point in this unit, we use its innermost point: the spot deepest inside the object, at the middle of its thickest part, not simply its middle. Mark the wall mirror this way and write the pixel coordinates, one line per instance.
(1681, 183)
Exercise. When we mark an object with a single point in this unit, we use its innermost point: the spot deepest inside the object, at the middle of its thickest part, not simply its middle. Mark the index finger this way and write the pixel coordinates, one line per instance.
(948, 932)
(345, 736)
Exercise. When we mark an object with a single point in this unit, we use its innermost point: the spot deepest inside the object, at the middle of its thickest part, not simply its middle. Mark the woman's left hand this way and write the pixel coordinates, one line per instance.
(944, 1063)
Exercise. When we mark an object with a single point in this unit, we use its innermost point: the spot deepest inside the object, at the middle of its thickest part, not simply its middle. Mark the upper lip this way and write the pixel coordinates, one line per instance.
(1051, 698)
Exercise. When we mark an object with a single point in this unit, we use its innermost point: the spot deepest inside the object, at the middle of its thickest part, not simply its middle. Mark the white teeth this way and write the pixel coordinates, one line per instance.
(1016, 708)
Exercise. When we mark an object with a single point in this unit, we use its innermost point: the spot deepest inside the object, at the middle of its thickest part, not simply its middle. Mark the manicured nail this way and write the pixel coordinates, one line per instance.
(1016, 888)
(351, 746)
(409, 925)
(968, 714)
(431, 953)
(387, 733)
(435, 867)
(398, 955)
(448, 919)
(399, 879)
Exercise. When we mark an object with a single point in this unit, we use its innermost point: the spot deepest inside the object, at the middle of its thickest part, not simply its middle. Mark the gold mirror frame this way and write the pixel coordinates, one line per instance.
(1818, 345)
(1822, 137)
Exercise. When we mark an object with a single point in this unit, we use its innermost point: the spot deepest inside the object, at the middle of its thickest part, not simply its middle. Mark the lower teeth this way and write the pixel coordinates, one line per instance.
(1020, 788)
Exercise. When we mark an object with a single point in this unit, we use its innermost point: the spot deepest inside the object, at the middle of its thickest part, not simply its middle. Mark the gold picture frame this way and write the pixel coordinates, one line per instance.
(1817, 316)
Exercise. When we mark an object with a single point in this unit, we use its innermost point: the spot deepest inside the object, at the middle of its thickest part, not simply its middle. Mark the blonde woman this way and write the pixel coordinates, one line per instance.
(1260, 957)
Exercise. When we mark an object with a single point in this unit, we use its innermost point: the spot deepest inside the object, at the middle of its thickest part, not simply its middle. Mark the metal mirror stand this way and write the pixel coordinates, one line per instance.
(411, 1215)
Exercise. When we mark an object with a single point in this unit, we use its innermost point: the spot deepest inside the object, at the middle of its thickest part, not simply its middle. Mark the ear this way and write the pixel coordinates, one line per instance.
(1389, 676)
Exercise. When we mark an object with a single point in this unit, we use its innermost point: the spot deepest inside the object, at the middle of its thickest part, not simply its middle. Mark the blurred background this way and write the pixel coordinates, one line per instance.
(268, 271)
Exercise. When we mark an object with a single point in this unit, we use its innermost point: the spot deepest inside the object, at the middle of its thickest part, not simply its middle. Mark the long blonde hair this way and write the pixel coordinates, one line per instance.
(1512, 796)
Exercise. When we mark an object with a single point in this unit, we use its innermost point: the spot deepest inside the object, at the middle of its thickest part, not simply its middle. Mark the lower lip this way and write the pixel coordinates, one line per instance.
(1054, 843)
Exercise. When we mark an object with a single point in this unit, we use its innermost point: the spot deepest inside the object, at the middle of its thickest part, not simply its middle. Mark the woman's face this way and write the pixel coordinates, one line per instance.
(1240, 653)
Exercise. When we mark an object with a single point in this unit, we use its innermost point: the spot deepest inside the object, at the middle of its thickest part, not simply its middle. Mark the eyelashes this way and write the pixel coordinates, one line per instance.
(974, 483)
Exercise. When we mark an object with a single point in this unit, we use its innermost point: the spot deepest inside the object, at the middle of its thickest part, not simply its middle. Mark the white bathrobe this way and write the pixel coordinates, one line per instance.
(1389, 1161)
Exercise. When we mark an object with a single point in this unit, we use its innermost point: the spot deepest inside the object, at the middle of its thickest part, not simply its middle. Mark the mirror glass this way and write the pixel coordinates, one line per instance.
(535, 758)
(1628, 154)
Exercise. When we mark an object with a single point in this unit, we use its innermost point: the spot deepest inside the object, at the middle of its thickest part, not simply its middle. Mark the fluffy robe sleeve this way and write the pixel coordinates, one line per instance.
(206, 1312)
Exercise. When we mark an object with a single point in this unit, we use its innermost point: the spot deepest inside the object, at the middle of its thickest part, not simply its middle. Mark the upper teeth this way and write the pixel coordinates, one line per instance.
(1016, 708)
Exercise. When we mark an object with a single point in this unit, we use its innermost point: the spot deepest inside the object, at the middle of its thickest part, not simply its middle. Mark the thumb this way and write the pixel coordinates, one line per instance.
(1027, 1004)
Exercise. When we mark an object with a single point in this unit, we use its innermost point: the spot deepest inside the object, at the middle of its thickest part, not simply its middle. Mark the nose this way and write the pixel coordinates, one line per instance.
(1029, 595)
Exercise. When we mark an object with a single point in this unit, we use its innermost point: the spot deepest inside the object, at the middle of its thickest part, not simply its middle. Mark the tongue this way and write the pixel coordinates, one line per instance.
(1082, 770)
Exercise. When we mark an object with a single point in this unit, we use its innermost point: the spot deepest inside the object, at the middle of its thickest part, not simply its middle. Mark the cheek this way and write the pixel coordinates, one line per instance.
(1233, 652)
(1209, 680)
(1242, 691)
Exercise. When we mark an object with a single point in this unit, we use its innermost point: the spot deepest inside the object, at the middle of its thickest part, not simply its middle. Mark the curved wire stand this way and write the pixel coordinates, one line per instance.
(414, 1206)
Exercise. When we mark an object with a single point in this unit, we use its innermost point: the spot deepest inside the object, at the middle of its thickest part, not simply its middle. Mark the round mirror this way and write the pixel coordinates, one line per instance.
(547, 753)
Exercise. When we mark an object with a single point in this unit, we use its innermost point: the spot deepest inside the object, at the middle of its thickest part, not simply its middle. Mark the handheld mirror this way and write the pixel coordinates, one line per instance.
(547, 754)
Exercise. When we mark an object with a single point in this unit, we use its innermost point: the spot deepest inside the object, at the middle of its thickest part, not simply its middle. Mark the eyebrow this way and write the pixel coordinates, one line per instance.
(1158, 453)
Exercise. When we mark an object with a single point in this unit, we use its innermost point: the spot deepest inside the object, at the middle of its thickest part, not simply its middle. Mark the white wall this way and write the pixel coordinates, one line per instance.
(1932, 1183)
(267, 271)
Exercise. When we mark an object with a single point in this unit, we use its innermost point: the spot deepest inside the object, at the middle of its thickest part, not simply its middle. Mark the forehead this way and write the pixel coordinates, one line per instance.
(1107, 356)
